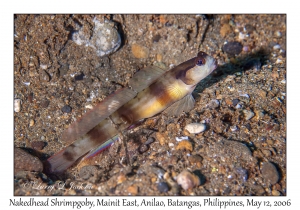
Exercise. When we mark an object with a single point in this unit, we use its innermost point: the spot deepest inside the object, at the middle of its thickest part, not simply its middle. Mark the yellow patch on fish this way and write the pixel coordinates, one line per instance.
(171, 94)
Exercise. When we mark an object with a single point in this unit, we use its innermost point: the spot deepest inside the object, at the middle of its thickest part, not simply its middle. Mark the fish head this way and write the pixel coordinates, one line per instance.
(201, 67)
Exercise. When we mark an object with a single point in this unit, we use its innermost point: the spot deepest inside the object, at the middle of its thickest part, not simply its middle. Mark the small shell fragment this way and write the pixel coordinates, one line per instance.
(17, 105)
(161, 138)
(234, 128)
(195, 128)
(185, 144)
(44, 66)
(133, 190)
(278, 34)
(248, 114)
(182, 138)
(89, 106)
(279, 61)
(276, 47)
(31, 122)
(245, 95)
(213, 104)
(283, 81)
(238, 106)
(259, 114)
(121, 178)
(188, 180)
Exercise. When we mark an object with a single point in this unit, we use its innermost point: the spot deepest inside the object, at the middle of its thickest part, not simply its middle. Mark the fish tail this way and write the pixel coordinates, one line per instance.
(65, 158)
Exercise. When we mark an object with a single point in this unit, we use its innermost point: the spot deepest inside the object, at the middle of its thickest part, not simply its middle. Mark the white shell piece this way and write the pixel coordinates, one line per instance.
(195, 128)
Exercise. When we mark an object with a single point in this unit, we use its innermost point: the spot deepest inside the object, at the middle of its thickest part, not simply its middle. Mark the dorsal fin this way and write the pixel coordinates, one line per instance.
(140, 80)
(145, 77)
(101, 111)
(183, 105)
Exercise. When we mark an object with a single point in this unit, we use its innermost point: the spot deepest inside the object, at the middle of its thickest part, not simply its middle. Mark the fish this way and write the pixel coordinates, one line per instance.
(150, 91)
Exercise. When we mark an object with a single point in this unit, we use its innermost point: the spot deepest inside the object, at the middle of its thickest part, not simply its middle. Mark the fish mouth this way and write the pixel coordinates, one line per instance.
(215, 64)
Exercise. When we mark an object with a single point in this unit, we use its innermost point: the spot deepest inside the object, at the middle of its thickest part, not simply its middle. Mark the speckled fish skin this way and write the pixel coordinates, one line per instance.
(170, 88)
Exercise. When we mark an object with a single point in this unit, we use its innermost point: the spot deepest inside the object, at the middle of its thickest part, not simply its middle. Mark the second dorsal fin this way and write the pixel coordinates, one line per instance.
(141, 80)
(101, 111)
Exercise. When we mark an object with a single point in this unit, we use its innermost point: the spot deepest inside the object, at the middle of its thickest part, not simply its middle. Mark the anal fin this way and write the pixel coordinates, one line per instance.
(101, 148)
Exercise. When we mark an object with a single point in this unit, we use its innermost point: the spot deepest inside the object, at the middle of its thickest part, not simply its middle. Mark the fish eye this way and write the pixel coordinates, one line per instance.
(200, 62)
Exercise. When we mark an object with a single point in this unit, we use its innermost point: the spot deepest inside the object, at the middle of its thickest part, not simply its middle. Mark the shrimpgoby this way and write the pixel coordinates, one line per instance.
(151, 91)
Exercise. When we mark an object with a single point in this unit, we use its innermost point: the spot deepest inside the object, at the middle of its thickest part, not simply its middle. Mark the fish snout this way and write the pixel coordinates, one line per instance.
(215, 64)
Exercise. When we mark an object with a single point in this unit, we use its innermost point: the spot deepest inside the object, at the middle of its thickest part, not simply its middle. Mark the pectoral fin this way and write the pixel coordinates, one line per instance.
(183, 105)
(101, 111)
(145, 77)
